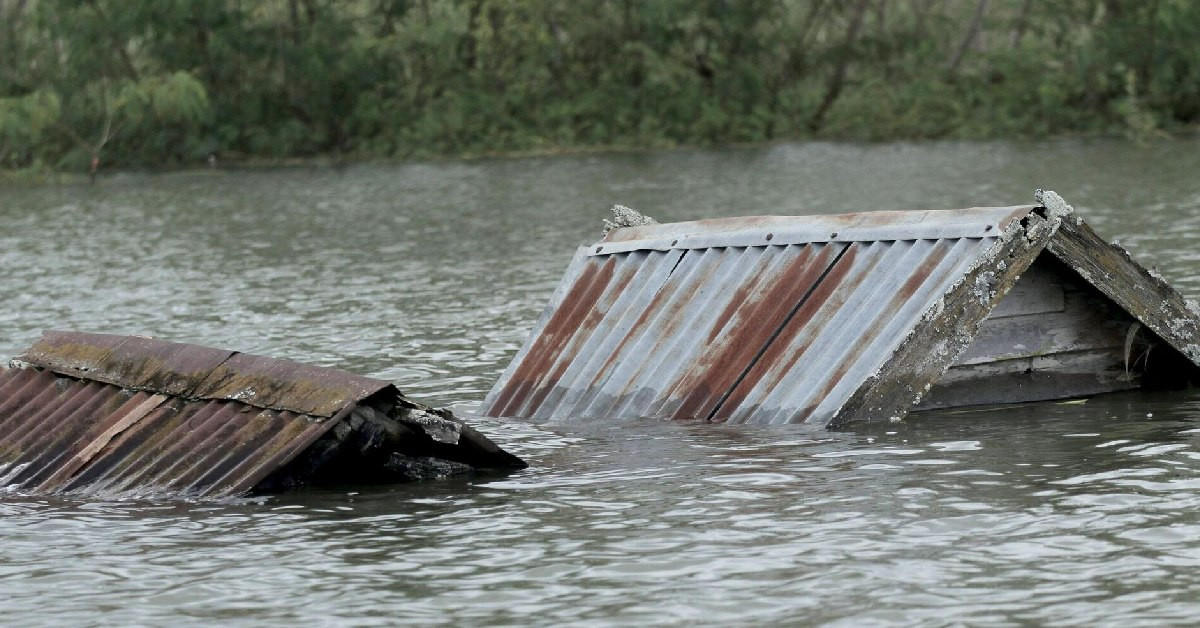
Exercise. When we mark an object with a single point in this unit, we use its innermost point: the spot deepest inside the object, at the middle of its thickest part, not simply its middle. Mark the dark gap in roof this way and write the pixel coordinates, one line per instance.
(677, 262)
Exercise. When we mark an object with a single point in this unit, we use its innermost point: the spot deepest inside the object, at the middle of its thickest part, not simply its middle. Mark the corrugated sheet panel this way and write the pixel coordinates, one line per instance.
(146, 417)
(771, 328)
(127, 361)
(193, 371)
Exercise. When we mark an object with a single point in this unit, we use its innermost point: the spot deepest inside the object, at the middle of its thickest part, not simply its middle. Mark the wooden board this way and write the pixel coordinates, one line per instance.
(1062, 330)
(1111, 270)
(1054, 376)
(1055, 312)
(1039, 290)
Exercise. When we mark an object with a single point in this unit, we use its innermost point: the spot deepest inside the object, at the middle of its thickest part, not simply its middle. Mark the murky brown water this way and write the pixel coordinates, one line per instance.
(431, 274)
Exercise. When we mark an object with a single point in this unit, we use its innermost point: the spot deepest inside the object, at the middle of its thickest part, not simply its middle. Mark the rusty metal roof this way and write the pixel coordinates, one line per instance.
(197, 372)
(116, 415)
(768, 319)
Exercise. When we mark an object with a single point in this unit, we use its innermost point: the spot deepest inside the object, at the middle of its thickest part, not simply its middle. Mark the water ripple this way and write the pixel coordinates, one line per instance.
(432, 274)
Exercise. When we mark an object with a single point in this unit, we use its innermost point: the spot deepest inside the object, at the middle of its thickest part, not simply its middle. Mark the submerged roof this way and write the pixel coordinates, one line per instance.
(117, 415)
(795, 319)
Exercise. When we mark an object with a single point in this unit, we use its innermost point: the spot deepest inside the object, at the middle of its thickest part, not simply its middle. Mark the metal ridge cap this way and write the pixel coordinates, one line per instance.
(783, 230)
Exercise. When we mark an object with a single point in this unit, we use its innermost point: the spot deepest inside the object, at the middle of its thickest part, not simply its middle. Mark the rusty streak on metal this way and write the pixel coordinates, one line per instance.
(766, 319)
(762, 310)
(584, 292)
(809, 285)
(110, 415)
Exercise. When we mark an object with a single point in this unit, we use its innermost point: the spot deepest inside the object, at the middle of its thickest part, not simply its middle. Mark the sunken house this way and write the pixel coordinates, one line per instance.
(99, 415)
(841, 318)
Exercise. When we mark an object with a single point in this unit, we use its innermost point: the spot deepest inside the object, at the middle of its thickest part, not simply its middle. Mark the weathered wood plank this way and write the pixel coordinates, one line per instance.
(1032, 336)
(954, 320)
(1146, 296)
(1039, 290)
(1057, 376)
(1086, 320)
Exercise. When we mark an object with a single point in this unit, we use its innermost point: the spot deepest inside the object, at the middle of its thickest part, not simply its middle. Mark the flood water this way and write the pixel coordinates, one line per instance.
(431, 274)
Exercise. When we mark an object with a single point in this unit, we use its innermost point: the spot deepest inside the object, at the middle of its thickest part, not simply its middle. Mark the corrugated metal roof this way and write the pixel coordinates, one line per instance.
(193, 371)
(111, 415)
(768, 319)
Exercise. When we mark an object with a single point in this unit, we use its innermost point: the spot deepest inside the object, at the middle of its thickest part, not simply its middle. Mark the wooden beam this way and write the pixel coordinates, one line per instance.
(1147, 297)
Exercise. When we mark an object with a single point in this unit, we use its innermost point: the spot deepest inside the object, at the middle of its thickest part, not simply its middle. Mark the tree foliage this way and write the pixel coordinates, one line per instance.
(148, 82)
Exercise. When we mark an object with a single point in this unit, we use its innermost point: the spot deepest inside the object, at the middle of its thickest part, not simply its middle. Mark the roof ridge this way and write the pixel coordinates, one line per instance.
(976, 222)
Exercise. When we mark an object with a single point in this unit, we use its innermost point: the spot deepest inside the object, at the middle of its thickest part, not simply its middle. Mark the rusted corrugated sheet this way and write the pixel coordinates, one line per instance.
(109, 415)
(770, 319)
(193, 371)
(127, 361)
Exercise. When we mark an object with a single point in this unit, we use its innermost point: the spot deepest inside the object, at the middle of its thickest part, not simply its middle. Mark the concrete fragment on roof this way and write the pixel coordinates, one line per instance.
(832, 319)
(105, 415)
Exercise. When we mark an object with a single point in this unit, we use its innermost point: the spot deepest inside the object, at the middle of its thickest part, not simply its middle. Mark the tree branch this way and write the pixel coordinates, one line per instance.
(1021, 25)
(838, 80)
(122, 52)
(972, 35)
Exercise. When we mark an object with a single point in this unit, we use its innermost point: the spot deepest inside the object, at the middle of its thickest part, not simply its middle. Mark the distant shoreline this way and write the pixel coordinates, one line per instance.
(50, 176)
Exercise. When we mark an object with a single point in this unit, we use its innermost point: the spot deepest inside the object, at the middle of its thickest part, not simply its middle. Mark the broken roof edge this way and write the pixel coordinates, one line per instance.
(976, 222)
(950, 324)
(201, 373)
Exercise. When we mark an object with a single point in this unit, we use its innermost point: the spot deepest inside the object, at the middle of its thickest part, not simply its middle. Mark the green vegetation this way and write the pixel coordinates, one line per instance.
(171, 82)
